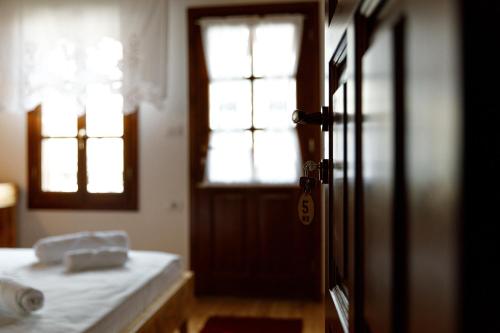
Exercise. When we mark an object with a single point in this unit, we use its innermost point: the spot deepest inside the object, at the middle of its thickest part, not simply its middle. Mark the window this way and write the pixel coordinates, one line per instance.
(252, 93)
(88, 160)
(85, 162)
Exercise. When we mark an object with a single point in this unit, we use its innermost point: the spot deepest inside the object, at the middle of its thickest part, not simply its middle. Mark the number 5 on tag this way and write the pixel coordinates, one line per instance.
(305, 208)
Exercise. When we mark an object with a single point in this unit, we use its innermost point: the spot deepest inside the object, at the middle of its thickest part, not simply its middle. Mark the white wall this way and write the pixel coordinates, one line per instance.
(162, 223)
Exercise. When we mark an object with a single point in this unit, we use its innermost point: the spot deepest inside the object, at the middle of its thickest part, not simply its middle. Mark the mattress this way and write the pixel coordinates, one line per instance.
(92, 301)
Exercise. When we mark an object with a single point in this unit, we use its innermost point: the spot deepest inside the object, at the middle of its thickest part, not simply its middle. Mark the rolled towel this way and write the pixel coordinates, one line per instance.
(105, 257)
(17, 299)
(52, 249)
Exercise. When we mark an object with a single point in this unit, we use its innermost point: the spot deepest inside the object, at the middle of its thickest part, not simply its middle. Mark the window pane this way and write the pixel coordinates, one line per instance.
(227, 51)
(277, 156)
(59, 114)
(59, 165)
(230, 157)
(275, 50)
(230, 105)
(104, 114)
(274, 103)
(105, 165)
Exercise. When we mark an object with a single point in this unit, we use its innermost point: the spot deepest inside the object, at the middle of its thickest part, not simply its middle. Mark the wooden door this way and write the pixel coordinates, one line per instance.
(246, 239)
(393, 203)
(366, 248)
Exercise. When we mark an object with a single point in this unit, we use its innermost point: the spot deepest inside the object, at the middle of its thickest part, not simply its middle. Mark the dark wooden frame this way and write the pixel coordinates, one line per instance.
(308, 99)
(128, 200)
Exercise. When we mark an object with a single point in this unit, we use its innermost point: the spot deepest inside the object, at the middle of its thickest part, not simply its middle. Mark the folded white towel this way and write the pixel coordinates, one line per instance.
(17, 299)
(52, 249)
(78, 260)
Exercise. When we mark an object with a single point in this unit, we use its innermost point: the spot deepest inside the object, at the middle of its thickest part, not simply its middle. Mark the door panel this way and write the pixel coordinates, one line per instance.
(275, 216)
(229, 240)
(378, 180)
(434, 166)
(252, 237)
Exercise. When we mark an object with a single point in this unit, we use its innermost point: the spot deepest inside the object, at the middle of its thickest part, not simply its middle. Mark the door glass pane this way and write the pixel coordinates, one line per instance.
(59, 165)
(104, 114)
(227, 51)
(59, 115)
(274, 49)
(276, 156)
(230, 157)
(230, 105)
(105, 165)
(274, 103)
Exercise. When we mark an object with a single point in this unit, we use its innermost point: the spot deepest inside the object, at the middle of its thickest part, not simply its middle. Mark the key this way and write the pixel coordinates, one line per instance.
(307, 183)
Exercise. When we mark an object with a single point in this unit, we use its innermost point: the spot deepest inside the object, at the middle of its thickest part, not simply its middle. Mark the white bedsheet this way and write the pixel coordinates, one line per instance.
(93, 301)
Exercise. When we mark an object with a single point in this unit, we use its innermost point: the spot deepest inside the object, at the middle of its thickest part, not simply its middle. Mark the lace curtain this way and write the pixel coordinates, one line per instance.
(73, 51)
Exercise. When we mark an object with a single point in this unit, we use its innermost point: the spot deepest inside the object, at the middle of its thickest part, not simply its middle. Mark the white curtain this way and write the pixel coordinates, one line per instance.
(72, 49)
(273, 40)
(252, 66)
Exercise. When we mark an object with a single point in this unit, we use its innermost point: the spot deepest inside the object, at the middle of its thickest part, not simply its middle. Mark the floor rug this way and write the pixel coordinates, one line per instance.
(251, 325)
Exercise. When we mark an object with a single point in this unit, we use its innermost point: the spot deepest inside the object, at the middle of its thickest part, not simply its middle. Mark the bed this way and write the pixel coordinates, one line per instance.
(150, 293)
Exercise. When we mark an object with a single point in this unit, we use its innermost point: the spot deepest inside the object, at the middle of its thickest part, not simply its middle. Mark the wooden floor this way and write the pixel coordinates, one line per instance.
(310, 312)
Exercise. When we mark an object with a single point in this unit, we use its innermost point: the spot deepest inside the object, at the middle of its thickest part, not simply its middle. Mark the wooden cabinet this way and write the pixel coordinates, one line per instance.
(8, 203)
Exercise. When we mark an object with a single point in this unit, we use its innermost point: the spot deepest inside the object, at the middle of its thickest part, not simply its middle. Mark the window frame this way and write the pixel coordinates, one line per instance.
(82, 200)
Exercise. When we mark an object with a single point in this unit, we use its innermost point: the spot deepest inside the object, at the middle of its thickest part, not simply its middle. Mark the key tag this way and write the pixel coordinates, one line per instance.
(305, 208)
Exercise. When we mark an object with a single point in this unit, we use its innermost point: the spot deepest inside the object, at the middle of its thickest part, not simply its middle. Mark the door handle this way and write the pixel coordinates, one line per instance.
(316, 118)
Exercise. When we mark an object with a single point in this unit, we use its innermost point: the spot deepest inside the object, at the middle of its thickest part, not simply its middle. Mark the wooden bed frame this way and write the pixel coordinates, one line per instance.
(170, 311)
